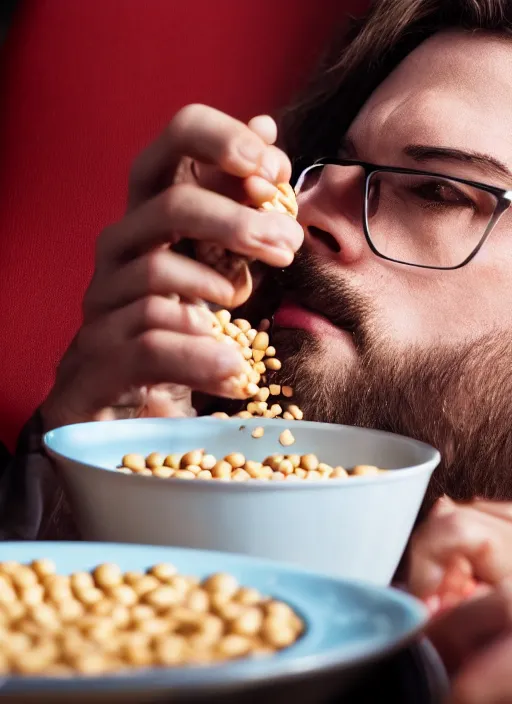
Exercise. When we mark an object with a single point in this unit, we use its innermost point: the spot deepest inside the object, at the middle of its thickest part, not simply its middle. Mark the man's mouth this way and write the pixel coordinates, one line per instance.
(294, 315)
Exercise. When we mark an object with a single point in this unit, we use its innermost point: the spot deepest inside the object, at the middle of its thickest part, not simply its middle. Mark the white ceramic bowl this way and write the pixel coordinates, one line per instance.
(356, 527)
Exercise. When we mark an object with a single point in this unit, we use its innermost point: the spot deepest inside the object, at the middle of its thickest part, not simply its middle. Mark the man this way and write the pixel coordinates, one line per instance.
(394, 313)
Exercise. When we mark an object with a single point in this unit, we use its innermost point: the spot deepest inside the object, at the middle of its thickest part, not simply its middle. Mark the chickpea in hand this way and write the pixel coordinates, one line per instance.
(144, 343)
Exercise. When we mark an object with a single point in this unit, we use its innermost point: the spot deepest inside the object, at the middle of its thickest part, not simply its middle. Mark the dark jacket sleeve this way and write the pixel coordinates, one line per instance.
(32, 502)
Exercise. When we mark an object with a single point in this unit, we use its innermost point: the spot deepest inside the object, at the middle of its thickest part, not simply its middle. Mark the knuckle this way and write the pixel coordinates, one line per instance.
(148, 346)
(153, 311)
(176, 197)
(155, 270)
(242, 225)
(185, 116)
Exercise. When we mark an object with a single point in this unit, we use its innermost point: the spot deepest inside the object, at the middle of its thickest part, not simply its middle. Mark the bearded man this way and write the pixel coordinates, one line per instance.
(390, 297)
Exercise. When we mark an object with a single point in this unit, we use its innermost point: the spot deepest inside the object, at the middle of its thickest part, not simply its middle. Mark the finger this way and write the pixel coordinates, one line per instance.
(155, 357)
(500, 509)
(480, 538)
(159, 273)
(487, 678)
(187, 211)
(459, 633)
(265, 127)
(149, 313)
(207, 135)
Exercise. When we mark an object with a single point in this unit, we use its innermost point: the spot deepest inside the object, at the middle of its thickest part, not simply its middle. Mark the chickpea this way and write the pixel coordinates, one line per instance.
(108, 575)
(270, 351)
(164, 571)
(244, 325)
(275, 389)
(261, 341)
(286, 466)
(365, 470)
(273, 364)
(248, 596)
(262, 395)
(145, 585)
(194, 457)
(170, 650)
(325, 469)
(287, 391)
(208, 462)
(258, 432)
(233, 646)
(277, 634)
(24, 577)
(295, 411)
(298, 473)
(338, 472)
(265, 472)
(172, 461)
(314, 475)
(248, 623)
(221, 583)
(220, 414)
(204, 474)
(286, 438)
(235, 459)
(278, 476)
(257, 355)
(163, 597)
(260, 367)
(223, 316)
(184, 474)
(132, 576)
(164, 472)
(134, 462)
(287, 416)
(222, 470)
(154, 460)
(240, 475)
(275, 410)
(123, 594)
(309, 462)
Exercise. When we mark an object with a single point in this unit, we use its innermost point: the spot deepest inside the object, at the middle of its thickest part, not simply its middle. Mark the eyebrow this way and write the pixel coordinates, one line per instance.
(484, 162)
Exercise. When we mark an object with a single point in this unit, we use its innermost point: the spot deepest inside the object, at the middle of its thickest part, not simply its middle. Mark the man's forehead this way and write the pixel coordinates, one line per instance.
(454, 90)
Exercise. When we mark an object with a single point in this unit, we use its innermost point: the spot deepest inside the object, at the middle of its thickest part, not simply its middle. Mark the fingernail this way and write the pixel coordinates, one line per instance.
(270, 166)
(229, 361)
(250, 150)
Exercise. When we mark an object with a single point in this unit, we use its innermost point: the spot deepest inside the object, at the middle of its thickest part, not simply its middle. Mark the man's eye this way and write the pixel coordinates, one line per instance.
(436, 193)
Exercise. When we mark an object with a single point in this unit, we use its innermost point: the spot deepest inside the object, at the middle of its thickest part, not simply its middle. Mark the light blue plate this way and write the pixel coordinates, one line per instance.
(348, 624)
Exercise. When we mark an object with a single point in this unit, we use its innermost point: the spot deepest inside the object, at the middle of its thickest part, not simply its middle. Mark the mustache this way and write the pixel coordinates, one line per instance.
(313, 284)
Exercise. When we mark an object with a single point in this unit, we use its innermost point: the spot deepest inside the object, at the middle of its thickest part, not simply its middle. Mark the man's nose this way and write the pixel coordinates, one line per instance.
(332, 217)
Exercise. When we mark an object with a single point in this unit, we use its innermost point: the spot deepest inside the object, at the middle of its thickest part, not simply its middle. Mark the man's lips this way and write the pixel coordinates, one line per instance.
(293, 315)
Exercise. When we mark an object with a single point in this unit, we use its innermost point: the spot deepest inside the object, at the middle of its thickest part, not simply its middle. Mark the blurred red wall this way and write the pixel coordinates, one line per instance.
(85, 85)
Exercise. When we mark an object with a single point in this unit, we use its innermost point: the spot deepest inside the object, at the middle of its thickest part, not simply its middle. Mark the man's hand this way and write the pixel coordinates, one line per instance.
(475, 642)
(141, 347)
(461, 549)
(460, 563)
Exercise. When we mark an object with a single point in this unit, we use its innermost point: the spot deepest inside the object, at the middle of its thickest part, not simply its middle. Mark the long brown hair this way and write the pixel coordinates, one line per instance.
(360, 60)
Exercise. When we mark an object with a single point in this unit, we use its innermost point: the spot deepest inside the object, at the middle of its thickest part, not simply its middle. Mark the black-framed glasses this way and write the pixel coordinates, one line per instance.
(419, 218)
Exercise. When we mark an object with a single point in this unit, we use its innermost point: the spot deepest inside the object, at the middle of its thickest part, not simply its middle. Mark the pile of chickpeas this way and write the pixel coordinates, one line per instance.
(260, 358)
(200, 465)
(105, 621)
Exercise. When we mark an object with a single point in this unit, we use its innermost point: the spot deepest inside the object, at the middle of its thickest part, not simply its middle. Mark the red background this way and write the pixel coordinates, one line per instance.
(85, 85)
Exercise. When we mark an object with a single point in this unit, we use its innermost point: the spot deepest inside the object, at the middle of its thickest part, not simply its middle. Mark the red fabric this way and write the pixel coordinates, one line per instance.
(85, 85)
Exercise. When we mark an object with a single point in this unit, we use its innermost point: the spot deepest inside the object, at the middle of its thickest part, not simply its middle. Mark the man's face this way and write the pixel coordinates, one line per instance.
(412, 350)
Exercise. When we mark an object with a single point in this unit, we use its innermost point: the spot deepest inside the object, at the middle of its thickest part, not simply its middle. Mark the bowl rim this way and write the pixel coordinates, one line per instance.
(392, 473)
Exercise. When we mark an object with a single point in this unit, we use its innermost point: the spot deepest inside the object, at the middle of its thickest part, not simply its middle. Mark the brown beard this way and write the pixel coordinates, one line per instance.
(456, 398)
